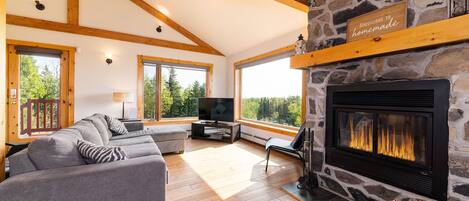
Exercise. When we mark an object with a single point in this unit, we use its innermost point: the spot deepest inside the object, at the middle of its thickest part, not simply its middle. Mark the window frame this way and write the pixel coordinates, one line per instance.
(267, 126)
(141, 59)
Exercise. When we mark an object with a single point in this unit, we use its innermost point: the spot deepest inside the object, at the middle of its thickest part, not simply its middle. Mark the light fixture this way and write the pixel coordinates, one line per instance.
(108, 58)
(40, 6)
(159, 29)
(123, 97)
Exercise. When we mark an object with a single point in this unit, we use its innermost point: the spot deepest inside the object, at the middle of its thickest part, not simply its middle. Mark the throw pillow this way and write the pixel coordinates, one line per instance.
(116, 126)
(100, 154)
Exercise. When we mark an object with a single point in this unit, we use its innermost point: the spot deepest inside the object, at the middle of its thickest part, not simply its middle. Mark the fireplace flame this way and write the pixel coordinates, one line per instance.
(361, 136)
(398, 143)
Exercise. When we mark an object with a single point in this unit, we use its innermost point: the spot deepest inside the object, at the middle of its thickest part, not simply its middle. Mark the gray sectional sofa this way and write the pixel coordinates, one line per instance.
(52, 169)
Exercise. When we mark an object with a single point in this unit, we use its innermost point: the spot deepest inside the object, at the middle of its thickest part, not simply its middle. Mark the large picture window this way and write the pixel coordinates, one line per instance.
(171, 88)
(270, 92)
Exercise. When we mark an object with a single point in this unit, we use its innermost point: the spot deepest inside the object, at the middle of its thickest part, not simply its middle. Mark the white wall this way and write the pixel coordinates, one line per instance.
(95, 81)
(268, 46)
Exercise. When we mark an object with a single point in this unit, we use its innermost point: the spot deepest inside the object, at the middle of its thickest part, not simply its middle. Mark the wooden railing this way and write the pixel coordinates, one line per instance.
(39, 115)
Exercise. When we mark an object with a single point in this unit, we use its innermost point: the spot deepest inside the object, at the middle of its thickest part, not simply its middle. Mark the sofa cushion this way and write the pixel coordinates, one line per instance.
(130, 135)
(88, 131)
(166, 133)
(139, 150)
(116, 126)
(100, 154)
(131, 141)
(102, 127)
(20, 163)
(56, 151)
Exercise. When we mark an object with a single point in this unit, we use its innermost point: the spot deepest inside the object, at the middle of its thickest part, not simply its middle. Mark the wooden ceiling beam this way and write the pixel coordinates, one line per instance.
(296, 4)
(88, 31)
(73, 10)
(171, 23)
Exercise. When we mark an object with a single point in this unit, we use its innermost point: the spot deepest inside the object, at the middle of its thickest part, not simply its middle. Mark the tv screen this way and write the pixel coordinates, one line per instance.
(216, 109)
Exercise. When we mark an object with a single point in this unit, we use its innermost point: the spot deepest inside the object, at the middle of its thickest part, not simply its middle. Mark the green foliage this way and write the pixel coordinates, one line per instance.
(149, 96)
(176, 101)
(38, 82)
(285, 111)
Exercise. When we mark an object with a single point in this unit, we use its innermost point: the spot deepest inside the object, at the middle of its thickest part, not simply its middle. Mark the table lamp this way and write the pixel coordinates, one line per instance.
(124, 97)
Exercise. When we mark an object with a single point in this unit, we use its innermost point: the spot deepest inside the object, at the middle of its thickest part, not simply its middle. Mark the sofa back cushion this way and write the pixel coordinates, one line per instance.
(88, 131)
(56, 150)
(20, 163)
(100, 123)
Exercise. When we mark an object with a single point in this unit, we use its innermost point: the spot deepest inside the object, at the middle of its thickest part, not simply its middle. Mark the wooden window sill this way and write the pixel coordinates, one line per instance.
(269, 127)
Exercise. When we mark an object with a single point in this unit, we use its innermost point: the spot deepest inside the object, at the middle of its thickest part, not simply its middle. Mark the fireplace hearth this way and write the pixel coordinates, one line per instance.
(393, 132)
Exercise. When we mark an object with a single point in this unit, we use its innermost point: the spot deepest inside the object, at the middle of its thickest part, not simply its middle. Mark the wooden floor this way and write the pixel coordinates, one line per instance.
(211, 170)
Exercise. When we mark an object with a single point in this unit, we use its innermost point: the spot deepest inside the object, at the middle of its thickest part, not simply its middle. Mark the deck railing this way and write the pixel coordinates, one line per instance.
(40, 115)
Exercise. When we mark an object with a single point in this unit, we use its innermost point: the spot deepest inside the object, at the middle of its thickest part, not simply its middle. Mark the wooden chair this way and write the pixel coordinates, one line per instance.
(294, 147)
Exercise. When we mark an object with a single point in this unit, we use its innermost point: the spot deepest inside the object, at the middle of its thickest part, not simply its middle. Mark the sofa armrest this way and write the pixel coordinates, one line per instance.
(142, 178)
(133, 126)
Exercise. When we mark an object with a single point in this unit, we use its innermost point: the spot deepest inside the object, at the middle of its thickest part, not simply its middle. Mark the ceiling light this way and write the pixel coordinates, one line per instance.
(159, 29)
(163, 9)
(40, 6)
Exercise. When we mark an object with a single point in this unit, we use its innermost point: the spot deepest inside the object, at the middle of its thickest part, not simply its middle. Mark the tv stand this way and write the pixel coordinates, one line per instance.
(214, 130)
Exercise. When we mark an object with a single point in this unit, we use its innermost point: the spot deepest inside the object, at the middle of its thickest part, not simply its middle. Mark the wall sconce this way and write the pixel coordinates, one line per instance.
(108, 58)
(40, 6)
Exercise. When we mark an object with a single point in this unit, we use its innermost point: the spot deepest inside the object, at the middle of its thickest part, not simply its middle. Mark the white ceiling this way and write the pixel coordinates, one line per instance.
(230, 26)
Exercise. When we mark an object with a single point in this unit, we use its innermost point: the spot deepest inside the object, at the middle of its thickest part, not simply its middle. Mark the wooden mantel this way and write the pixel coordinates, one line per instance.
(437, 33)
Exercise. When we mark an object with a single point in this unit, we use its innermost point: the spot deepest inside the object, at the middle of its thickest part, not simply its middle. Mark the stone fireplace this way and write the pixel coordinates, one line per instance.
(386, 130)
(365, 132)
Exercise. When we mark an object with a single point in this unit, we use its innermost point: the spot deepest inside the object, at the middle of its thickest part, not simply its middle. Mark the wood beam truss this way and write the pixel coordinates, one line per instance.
(168, 21)
(73, 26)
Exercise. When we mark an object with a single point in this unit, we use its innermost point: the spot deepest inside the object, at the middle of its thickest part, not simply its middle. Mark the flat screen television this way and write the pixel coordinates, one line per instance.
(216, 109)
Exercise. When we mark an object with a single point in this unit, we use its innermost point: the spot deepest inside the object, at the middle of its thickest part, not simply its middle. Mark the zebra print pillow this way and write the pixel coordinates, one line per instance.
(116, 126)
(100, 154)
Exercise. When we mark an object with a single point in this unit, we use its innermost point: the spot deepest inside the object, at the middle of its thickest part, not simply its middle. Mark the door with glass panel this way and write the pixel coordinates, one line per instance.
(38, 91)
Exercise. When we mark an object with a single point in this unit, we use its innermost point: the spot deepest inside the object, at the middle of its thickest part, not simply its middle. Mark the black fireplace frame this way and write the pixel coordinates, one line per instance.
(430, 97)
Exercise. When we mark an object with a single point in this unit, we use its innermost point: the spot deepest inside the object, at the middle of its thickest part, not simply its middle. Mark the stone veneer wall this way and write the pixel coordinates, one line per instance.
(328, 21)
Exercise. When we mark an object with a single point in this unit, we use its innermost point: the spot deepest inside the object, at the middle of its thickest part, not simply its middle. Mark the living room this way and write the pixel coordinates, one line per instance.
(234, 100)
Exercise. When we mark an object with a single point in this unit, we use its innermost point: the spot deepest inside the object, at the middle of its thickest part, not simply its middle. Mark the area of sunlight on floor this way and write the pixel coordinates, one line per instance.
(227, 177)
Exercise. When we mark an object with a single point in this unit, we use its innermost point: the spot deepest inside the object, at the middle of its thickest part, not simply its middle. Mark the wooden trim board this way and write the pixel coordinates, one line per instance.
(101, 33)
(295, 4)
(433, 34)
(168, 21)
(73, 11)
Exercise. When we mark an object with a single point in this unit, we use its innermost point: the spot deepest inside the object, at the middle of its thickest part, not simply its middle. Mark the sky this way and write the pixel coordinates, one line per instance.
(184, 77)
(262, 81)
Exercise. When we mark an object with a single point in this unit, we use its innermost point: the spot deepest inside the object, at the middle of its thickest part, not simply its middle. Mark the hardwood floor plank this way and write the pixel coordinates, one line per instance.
(212, 171)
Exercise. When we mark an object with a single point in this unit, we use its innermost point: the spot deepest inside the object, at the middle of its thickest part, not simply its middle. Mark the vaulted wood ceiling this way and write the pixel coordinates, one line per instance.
(229, 25)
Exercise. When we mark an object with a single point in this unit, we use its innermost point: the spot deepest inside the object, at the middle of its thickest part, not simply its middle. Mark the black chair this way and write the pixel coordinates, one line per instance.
(293, 147)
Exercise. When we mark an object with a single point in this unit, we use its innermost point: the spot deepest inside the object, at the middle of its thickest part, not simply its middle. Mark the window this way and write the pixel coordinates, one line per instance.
(269, 92)
(171, 88)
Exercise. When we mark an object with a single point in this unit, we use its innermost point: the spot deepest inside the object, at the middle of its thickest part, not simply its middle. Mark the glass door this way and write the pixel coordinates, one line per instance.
(39, 93)
(40, 89)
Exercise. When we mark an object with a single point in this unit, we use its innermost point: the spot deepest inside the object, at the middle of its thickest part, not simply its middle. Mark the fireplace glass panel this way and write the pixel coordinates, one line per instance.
(402, 136)
(356, 130)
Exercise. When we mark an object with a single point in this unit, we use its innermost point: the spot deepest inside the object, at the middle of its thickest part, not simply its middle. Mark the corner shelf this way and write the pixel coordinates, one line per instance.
(436, 33)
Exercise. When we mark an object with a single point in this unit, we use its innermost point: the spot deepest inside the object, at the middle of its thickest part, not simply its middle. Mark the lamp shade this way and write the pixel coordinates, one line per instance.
(119, 96)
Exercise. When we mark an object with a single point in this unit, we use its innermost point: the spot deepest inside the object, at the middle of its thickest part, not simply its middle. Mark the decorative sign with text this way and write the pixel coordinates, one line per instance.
(385, 20)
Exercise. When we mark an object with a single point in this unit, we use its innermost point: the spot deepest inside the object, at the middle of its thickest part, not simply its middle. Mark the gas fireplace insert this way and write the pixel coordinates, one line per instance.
(393, 132)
